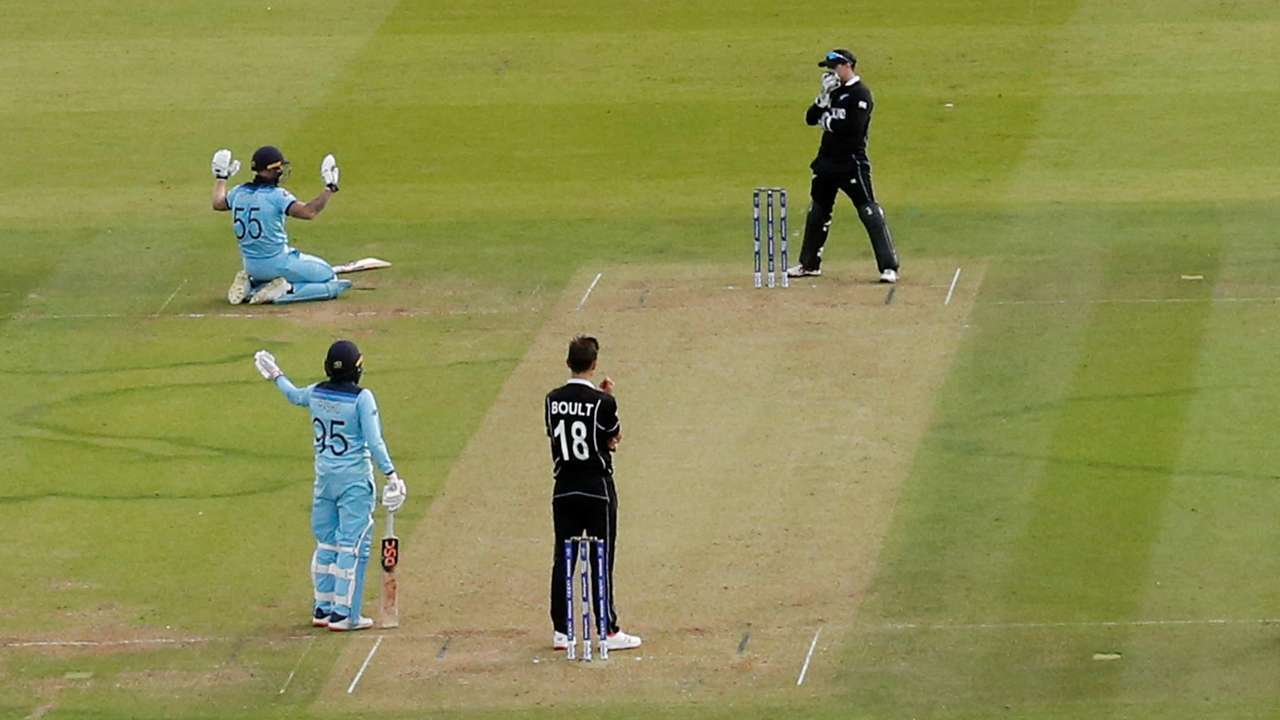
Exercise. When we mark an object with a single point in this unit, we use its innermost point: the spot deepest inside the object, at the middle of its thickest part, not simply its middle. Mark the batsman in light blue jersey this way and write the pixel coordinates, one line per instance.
(348, 442)
(273, 272)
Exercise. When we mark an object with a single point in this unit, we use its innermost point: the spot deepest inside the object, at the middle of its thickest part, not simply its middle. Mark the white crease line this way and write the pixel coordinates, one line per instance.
(360, 674)
(107, 643)
(1135, 301)
(25, 317)
(808, 657)
(1080, 624)
(194, 640)
(954, 279)
(296, 666)
(587, 294)
(173, 295)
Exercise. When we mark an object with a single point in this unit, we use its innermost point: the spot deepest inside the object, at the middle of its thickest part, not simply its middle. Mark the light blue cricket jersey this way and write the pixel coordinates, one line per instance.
(344, 425)
(257, 218)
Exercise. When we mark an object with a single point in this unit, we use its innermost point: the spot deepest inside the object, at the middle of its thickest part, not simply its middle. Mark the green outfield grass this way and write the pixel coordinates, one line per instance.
(1098, 474)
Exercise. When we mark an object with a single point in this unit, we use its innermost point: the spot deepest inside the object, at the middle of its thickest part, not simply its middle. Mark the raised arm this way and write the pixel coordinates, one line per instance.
(266, 365)
(220, 195)
(309, 210)
(328, 174)
(300, 396)
(224, 166)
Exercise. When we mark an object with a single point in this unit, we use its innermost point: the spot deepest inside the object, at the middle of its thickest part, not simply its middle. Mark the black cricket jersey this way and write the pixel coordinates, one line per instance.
(581, 420)
(845, 127)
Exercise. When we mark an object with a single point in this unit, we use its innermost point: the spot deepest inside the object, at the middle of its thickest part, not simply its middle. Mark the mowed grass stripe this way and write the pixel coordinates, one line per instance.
(996, 526)
(920, 553)
(1116, 444)
(1216, 555)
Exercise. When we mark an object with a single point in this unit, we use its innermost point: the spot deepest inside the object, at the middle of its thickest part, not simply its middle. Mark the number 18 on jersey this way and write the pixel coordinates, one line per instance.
(580, 421)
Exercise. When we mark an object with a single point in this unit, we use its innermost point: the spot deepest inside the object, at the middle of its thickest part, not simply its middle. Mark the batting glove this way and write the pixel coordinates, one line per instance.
(223, 165)
(329, 172)
(394, 493)
(265, 362)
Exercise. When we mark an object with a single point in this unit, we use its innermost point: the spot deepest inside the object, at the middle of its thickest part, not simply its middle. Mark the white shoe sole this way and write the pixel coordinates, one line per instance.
(338, 627)
(624, 645)
(270, 292)
(239, 290)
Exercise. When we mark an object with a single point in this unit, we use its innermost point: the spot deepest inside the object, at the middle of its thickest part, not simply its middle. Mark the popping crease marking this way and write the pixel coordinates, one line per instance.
(172, 295)
(1134, 301)
(1080, 624)
(587, 294)
(804, 669)
(32, 317)
(297, 665)
(365, 666)
(951, 291)
(890, 627)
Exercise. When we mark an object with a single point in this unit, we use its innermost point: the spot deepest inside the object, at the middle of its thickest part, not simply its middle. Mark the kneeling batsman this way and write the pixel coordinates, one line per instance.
(271, 270)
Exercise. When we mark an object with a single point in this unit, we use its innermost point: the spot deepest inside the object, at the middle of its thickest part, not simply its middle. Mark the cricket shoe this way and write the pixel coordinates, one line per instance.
(320, 618)
(559, 641)
(889, 276)
(622, 641)
(239, 290)
(802, 271)
(342, 623)
(271, 292)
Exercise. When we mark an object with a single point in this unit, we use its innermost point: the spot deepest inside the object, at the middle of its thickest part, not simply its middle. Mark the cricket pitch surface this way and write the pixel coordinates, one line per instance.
(766, 433)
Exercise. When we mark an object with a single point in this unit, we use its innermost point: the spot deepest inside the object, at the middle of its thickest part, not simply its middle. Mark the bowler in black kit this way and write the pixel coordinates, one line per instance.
(583, 427)
(843, 110)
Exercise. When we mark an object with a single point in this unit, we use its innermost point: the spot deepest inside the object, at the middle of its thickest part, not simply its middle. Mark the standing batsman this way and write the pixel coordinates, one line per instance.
(347, 434)
(843, 110)
(582, 424)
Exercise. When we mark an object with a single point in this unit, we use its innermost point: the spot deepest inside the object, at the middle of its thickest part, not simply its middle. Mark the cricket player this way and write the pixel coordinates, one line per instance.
(583, 427)
(272, 271)
(843, 111)
(347, 435)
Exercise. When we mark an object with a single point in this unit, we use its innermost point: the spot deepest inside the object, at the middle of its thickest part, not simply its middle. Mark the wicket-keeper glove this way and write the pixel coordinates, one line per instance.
(829, 83)
(223, 166)
(329, 172)
(265, 362)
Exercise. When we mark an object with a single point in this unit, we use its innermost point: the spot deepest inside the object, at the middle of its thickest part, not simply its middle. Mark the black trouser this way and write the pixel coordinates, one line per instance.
(573, 515)
(822, 194)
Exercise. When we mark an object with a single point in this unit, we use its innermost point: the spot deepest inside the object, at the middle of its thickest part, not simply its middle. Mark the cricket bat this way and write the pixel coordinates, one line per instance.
(390, 585)
(361, 265)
